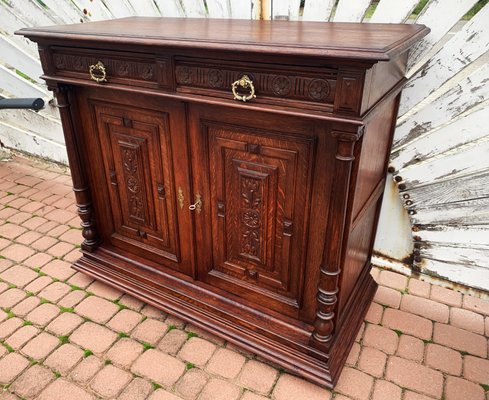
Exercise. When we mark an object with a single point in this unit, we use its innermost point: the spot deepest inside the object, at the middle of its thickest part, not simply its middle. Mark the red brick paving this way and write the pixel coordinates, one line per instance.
(410, 348)
(420, 341)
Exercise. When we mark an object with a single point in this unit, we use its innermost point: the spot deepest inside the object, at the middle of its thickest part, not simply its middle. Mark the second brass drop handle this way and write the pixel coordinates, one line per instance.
(197, 206)
(98, 72)
(245, 83)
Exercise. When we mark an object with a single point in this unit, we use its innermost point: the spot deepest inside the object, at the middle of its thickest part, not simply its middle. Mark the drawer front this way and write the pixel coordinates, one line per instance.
(273, 84)
(144, 70)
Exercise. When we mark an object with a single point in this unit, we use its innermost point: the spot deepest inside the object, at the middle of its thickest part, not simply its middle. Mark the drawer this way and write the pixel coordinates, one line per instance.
(273, 84)
(133, 69)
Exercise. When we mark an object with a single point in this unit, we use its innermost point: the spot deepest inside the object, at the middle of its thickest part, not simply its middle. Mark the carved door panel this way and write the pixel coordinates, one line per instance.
(259, 185)
(139, 170)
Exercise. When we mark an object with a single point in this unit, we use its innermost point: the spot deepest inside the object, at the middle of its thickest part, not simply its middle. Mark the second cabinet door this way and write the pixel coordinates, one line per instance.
(259, 182)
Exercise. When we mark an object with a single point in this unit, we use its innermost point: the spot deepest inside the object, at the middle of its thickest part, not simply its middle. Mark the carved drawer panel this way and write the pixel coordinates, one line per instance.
(132, 69)
(274, 84)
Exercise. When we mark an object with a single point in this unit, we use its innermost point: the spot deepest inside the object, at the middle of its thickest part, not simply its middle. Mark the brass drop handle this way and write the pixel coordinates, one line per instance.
(246, 83)
(98, 72)
(197, 206)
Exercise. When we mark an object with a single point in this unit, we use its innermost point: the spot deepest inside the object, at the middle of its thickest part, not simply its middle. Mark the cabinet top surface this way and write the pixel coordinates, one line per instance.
(363, 41)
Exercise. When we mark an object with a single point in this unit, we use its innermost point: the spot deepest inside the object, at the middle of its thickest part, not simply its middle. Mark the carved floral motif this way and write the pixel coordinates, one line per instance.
(131, 176)
(216, 78)
(183, 75)
(146, 71)
(281, 85)
(123, 69)
(78, 65)
(251, 219)
(251, 204)
(319, 89)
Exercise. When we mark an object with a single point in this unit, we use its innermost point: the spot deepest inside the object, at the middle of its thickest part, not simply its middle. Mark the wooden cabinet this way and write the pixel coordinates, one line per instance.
(231, 172)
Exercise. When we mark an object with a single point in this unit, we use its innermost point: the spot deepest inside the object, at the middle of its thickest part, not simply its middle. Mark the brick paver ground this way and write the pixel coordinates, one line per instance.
(64, 336)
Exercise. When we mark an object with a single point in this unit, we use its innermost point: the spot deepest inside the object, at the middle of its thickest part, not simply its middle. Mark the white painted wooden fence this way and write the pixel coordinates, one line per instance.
(441, 148)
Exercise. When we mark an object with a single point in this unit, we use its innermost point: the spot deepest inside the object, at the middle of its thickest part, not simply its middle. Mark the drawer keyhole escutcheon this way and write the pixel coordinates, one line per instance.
(245, 83)
(98, 72)
(197, 206)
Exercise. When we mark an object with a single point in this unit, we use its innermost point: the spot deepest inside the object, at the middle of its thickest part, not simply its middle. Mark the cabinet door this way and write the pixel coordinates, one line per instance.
(140, 167)
(259, 183)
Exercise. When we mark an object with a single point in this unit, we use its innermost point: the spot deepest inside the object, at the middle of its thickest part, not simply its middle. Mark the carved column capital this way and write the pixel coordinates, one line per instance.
(348, 136)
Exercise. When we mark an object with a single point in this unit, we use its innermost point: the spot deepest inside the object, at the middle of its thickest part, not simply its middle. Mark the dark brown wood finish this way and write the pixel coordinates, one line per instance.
(254, 220)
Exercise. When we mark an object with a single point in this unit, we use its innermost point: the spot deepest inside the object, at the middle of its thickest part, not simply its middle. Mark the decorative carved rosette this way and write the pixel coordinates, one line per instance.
(216, 78)
(281, 85)
(183, 75)
(319, 89)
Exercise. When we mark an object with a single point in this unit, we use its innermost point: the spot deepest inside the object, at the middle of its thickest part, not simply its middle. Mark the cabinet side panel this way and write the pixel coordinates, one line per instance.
(367, 186)
(373, 157)
(357, 252)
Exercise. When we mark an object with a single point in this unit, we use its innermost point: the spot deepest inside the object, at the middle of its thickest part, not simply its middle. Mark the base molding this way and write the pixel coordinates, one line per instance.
(279, 342)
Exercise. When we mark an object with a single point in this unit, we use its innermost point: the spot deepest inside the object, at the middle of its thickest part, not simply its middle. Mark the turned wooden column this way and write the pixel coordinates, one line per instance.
(80, 185)
(330, 269)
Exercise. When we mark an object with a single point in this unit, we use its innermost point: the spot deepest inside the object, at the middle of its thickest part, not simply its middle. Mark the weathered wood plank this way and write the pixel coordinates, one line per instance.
(456, 254)
(440, 16)
(350, 11)
(12, 22)
(450, 191)
(33, 12)
(465, 95)
(170, 8)
(468, 128)
(464, 213)
(194, 8)
(240, 8)
(218, 8)
(466, 46)
(66, 11)
(464, 161)
(393, 11)
(318, 10)
(19, 87)
(15, 56)
(94, 10)
(468, 236)
(286, 8)
(29, 142)
(119, 8)
(39, 123)
(476, 277)
(144, 8)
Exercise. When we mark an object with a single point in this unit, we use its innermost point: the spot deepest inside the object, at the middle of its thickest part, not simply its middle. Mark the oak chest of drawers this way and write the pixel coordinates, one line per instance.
(231, 172)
